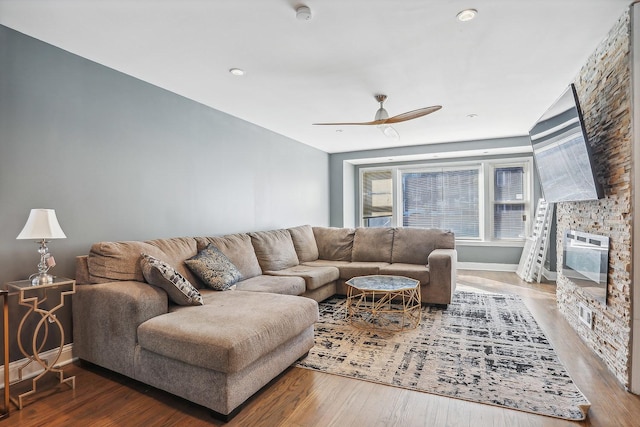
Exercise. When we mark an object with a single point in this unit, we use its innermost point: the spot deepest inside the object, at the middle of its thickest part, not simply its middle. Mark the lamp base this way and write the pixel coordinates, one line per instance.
(41, 279)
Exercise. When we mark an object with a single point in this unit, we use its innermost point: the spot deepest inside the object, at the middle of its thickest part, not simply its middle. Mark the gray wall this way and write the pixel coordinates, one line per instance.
(120, 159)
(344, 185)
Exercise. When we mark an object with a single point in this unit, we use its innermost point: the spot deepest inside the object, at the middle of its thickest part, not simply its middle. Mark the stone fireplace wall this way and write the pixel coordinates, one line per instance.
(604, 90)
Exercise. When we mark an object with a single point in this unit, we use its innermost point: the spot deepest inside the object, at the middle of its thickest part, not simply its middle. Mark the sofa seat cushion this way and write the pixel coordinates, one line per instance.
(232, 330)
(277, 285)
(413, 271)
(314, 277)
(239, 250)
(274, 249)
(326, 263)
(354, 269)
(334, 244)
(372, 244)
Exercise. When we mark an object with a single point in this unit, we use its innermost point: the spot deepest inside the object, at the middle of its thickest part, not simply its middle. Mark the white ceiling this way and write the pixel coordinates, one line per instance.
(506, 66)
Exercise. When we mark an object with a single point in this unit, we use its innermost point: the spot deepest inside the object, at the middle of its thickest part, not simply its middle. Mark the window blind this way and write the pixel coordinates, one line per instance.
(509, 207)
(445, 199)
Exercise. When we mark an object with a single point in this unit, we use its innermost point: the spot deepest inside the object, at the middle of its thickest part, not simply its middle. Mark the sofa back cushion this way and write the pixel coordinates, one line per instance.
(109, 261)
(113, 261)
(239, 249)
(177, 250)
(372, 244)
(304, 243)
(334, 244)
(413, 245)
(274, 249)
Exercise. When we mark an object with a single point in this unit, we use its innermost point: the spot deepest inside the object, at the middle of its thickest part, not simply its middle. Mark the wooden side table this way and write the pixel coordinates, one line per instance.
(5, 347)
(33, 296)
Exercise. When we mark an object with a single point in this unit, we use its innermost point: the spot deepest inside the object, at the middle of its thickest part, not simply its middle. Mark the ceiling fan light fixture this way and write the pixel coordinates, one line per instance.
(389, 131)
(381, 114)
(466, 15)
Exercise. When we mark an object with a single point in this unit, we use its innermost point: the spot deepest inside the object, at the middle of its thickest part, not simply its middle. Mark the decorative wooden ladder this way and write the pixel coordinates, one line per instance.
(536, 246)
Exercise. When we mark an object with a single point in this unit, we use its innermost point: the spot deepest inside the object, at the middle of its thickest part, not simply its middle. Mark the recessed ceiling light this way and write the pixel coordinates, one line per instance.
(466, 15)
(236, 71)
(472, 115)
(338, 130)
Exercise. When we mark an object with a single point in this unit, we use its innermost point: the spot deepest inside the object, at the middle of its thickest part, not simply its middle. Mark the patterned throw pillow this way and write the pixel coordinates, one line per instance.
(214, 268)
(162, 275)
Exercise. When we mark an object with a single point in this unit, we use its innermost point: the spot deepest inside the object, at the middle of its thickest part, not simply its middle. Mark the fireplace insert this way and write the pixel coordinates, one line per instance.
(586, 262)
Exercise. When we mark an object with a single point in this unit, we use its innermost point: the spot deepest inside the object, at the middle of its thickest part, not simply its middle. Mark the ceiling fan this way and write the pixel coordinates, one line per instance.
(383, 121)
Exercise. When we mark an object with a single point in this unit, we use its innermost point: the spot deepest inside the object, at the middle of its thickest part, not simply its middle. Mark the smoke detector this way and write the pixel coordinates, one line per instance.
(303, 13)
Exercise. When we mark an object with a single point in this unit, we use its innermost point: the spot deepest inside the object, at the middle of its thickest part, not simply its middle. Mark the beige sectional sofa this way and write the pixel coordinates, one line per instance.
(221, 352)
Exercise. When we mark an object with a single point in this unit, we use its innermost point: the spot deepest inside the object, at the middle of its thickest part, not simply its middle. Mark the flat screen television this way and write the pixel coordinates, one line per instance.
(562, 152)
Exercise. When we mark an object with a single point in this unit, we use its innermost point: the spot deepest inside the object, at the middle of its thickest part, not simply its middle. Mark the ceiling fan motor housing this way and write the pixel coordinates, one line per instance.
(381, 114)
(381, 98)
(303, 13)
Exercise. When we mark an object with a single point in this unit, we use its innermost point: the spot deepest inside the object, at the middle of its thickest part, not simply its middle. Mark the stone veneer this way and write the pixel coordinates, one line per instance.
(604, 90)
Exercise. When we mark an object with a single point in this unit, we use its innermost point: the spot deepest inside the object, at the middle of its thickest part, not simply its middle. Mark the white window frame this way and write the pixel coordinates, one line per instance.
(361, 192)
(527, 165)
(486, 193)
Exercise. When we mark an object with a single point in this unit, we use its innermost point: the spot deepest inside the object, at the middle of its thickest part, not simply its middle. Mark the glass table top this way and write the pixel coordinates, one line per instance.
(26, 284)
(382, 283)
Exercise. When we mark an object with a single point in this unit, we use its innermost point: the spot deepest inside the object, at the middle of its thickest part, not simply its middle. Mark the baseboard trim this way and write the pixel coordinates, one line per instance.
(549, 275)
(34, 369)
(486, 266)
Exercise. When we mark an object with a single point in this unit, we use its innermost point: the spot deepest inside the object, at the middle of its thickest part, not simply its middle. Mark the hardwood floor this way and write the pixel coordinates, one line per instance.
(300, 397)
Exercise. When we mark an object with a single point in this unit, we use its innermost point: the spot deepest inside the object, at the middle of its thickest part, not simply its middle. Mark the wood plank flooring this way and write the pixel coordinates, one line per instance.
(300, 397)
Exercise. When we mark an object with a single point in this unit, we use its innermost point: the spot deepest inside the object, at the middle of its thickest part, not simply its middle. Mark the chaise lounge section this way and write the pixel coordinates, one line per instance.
(220, 349)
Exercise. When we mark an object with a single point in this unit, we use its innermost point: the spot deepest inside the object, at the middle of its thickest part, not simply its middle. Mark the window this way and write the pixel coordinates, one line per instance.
(447, 199)
(377, 198)
(508, 202)
(486, 200)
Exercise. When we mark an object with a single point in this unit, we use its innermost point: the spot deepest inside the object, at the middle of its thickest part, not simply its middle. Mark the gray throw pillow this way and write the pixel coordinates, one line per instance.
(162, 275)
(214, 268)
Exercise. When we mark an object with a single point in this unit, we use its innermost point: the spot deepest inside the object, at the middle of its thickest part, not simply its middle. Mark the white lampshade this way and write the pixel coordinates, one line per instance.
(42, 224)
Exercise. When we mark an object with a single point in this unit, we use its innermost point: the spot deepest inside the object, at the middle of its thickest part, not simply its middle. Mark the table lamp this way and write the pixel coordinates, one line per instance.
(42, 225)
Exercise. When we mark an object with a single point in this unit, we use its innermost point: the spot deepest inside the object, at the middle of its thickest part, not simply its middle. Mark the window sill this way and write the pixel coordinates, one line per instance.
(492, 243)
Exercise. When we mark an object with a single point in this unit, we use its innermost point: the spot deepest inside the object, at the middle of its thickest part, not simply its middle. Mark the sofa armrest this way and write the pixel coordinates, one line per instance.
(82, 269)
(106, 317)
(442, 269)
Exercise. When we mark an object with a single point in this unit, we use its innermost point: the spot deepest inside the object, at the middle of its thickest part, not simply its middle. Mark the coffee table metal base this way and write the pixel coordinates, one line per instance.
(380, 308)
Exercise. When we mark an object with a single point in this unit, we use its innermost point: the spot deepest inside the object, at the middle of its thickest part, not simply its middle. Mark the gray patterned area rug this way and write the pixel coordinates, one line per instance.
(485, 348)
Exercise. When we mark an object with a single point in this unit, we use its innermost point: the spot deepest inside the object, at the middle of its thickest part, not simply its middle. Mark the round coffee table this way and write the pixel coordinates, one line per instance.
(381, 301)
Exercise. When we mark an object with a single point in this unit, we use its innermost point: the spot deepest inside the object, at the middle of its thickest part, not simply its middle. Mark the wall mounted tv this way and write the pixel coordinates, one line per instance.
(562, 152)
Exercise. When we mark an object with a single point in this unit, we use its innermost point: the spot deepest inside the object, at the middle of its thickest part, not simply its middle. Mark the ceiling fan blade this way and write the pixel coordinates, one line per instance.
(410, 115)
(375, 122)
